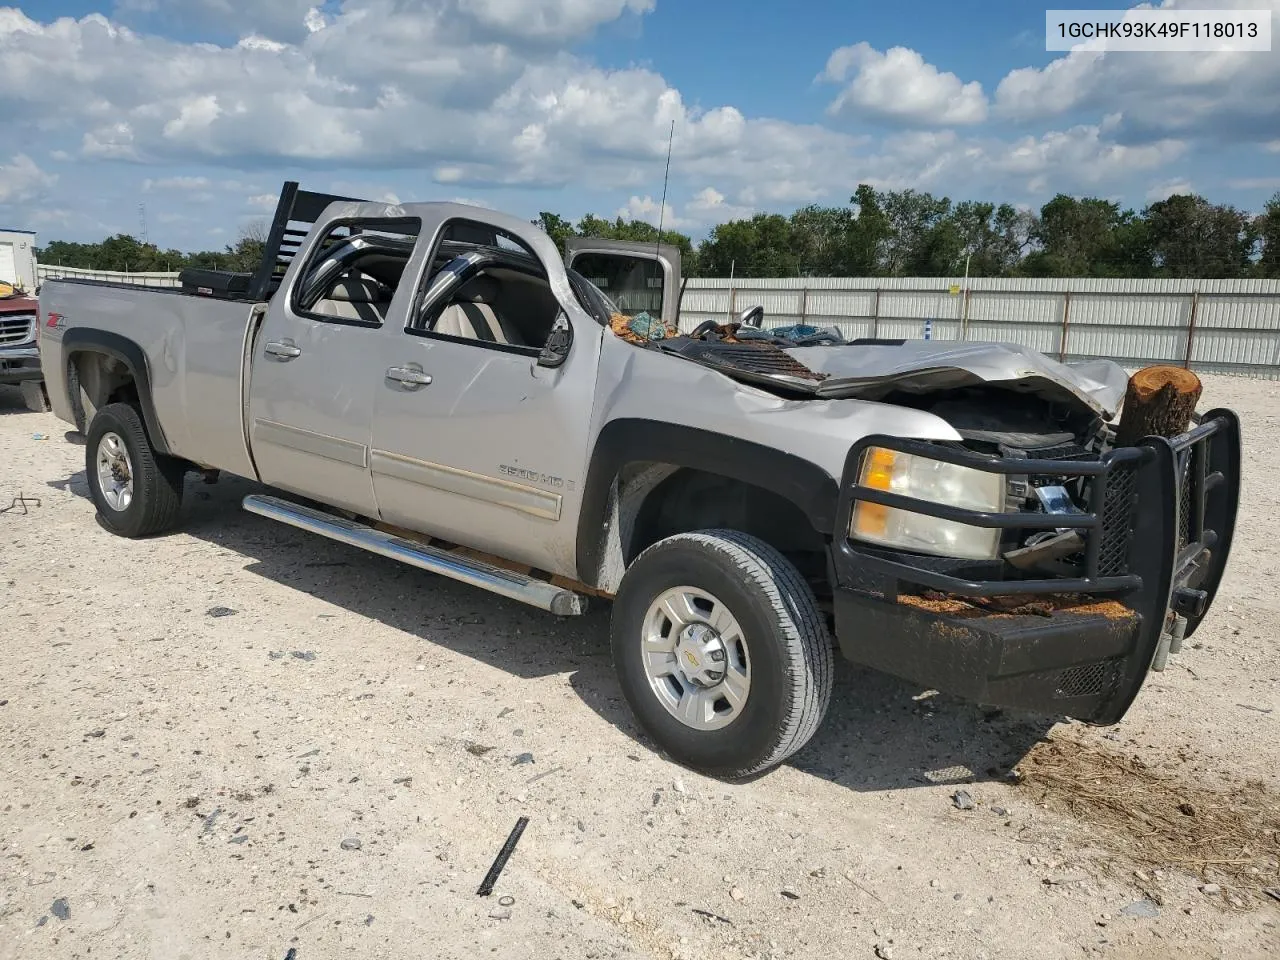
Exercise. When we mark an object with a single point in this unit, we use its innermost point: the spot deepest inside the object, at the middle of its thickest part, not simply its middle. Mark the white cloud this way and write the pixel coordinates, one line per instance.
(176, 183)
(263, 201)
(21, 179)
(556, 20)
(1081, 156)
(1255, 183)
(1216, 97)
(709, 205)
(1272, 147)
(651, 211)
(899, 85)
(1168, 188)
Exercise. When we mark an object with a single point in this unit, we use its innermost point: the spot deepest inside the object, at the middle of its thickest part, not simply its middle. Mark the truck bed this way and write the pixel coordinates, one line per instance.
(195, 351)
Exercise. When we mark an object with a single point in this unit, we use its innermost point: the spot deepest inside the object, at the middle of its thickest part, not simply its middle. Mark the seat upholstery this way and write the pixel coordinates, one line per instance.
(356, 298)
(471, 315)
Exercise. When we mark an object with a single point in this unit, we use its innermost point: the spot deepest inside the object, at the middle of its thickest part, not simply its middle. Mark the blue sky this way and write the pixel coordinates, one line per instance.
(200, 108)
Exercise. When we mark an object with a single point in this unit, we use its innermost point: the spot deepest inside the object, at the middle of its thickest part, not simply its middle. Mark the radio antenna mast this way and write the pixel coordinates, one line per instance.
(666, 178)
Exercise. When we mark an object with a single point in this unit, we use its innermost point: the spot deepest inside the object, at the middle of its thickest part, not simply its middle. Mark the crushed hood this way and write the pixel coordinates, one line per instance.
(872, 371)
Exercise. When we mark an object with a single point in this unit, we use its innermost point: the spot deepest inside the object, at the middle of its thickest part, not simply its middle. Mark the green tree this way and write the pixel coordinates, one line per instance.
(1268, 229)
(556, 227)
(1191, 237)
(759, 247)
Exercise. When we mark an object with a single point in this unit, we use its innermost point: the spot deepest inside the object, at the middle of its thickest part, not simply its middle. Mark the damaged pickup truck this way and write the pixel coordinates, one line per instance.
(438, 384)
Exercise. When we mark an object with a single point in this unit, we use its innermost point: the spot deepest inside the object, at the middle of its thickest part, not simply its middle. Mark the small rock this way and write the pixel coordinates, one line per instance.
(962, 800)
(506, 901)
(443, 856)
(307, 655)
(1142, 908)
(351, 843)
(221, 612)
(478, 749)
(737, 894)
(627, 917)
(505, 712)
(522, 759)
(96, 733)
(1000, 811)
(789, 893)
(884, 951)
(368, 921)
(243, 838)
(1210, 889)
(61, 909)
(500, 913)
(679, 787)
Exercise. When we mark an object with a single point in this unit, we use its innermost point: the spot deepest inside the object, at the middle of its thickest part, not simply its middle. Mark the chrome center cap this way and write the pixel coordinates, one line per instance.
(701, 655)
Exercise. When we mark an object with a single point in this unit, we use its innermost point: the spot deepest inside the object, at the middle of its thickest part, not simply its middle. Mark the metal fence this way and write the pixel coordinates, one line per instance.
(1214, 326)
(47, 272)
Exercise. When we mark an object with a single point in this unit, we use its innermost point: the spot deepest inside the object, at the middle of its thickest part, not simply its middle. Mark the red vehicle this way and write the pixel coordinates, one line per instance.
(19, 355)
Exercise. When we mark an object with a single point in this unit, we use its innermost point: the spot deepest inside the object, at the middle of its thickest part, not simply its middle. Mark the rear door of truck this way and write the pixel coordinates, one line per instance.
(317, 362)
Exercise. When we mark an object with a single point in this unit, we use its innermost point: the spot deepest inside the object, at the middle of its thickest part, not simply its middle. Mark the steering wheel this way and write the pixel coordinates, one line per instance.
(706, 326)
(752, 317)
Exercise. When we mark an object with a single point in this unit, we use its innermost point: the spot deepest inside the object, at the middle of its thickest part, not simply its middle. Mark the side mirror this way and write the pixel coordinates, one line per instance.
(556, 350)
(751, 317)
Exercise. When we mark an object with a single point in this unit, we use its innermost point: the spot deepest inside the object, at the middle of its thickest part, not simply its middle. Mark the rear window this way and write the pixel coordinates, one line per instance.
(634, 284)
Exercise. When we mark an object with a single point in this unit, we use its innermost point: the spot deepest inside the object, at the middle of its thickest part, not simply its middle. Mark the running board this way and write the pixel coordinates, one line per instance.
(506, 583)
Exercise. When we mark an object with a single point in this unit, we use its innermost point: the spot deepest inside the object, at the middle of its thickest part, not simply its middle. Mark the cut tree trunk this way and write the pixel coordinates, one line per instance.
(1158, 402)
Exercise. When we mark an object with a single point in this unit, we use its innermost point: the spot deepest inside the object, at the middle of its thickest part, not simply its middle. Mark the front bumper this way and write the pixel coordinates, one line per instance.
(20, 363)
(1157, 537)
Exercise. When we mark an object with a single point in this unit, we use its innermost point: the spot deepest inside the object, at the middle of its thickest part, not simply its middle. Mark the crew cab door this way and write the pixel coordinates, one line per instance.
(317, 361)
(477, 440)
(635, 276)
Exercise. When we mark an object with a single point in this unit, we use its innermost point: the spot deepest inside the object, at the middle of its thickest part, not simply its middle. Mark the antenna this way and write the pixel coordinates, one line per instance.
(142, 219)
(662, 210)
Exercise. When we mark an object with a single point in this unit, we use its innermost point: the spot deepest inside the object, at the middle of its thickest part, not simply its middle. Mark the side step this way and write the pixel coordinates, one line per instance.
(506, 583)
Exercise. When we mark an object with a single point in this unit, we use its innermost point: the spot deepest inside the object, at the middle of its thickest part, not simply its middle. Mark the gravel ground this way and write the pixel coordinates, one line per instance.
(332, 766)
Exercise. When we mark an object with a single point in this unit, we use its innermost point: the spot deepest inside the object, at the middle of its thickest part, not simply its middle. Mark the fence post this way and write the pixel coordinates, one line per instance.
(1191, 327)
(875, 317)
(804, 306)
(733, 302)
(1066, 324)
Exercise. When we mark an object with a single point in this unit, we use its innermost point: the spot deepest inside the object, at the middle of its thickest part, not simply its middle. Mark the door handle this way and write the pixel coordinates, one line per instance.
(409, 376)
(283, 349)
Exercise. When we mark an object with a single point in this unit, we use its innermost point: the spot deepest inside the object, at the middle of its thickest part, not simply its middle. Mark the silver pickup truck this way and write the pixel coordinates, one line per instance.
(441, 385)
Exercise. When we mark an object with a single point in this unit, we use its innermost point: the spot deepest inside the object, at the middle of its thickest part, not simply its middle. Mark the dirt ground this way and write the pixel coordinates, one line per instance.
(331, 768)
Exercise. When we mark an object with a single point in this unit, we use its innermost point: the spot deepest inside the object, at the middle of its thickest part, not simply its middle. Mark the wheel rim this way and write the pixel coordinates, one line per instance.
(115, 472)
(695, 656)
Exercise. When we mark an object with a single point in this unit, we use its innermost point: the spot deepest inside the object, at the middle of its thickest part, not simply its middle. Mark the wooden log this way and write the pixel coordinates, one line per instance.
(1158, 402)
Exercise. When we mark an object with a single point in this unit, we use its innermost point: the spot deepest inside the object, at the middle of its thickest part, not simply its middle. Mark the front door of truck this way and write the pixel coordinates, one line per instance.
(316, 363)
(475, 440)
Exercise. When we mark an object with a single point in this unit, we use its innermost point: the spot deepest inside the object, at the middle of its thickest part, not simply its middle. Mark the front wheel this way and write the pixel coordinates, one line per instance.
(722, 652)
(137, 492)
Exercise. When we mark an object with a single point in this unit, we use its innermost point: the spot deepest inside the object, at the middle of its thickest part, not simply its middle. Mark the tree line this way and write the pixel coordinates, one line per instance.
(891, 233)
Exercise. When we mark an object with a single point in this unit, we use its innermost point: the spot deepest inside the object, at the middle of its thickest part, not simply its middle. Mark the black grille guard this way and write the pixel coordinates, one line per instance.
(1158, 532)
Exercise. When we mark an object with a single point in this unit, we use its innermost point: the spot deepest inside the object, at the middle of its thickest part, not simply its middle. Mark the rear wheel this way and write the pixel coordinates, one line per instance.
(137, 492)
(722, 652)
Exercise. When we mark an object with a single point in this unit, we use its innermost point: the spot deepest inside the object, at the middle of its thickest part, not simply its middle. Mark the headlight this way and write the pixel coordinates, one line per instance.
(937, 482)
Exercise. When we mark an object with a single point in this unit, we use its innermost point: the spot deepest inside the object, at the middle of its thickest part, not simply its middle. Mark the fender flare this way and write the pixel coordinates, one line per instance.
(88, 340)
(805, 484)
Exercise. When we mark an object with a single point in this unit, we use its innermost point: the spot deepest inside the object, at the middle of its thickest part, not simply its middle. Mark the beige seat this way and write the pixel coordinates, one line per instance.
(471, 315)
(356, 298)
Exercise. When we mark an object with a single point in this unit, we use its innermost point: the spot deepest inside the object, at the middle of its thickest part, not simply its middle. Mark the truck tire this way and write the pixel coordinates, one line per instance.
(722, 652)
(137, 493)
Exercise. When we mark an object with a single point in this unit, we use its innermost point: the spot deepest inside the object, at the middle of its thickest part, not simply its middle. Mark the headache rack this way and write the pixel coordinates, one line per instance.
(296, 212)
